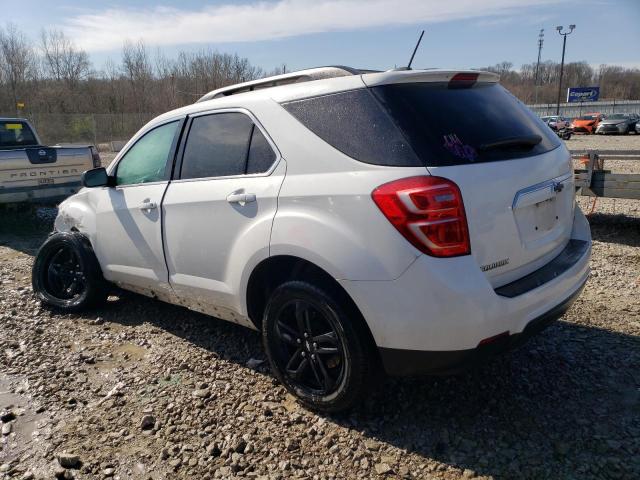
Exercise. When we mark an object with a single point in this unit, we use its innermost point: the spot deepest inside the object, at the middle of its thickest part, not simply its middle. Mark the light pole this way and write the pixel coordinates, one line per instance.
(564, 46)
(540, 42)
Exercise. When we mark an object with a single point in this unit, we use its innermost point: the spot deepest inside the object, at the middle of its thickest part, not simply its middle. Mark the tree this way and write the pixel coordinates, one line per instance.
(17, 61)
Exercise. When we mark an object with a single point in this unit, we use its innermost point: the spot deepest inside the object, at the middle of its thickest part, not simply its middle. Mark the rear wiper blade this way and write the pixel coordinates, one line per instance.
(524, 141)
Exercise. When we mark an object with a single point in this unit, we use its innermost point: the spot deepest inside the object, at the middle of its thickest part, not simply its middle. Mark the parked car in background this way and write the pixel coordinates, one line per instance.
(32, 172)
(414, 221)
(586, 123)
(556, 122)
(618, 123)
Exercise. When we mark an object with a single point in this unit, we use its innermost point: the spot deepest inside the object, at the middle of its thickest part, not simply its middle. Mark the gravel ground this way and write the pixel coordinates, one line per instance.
(141, 389)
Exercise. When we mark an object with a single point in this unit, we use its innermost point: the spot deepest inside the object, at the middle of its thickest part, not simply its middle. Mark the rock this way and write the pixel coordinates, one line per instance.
(213, 450)
(7, 416)
(6, 428)
(68, 460)
(468, 474)
(147, 422)
(201, 393)
(371, 445)
(382, 468)
(5, 467)
(108, 472)
(239, 445)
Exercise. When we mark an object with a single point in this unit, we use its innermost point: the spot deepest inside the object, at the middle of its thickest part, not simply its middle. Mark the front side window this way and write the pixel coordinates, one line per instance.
(146, 160)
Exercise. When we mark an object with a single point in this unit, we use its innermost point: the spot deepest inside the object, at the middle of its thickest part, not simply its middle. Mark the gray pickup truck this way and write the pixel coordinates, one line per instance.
(32, 172)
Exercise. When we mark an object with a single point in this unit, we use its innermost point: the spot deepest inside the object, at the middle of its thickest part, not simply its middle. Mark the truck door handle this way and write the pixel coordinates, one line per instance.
(241, 198)
(148, 206)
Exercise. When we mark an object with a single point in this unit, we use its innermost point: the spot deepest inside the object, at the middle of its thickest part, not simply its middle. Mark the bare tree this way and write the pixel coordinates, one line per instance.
(137, 68)
(18, 61)
(62, 60)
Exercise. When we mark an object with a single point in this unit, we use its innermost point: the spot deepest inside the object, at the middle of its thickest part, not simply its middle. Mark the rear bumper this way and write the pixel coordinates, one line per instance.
(440, 311)
(39, 193)
(414, 362)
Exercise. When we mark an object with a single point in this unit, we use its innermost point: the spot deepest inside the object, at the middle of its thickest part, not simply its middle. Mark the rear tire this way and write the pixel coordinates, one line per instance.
(66, 273)
(316, 346)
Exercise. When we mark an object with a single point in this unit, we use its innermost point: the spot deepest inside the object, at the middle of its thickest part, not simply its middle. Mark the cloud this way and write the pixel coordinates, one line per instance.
(262, 20)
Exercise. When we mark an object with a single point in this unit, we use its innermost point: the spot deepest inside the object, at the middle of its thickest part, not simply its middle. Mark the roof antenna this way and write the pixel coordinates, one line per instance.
(414, 51)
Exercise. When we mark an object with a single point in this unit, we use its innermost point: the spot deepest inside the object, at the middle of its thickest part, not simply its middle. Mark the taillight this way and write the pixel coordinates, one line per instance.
(427, 211)
(97, 161)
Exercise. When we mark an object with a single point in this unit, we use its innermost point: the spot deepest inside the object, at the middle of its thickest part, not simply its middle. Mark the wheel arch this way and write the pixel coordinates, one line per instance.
(274, 271)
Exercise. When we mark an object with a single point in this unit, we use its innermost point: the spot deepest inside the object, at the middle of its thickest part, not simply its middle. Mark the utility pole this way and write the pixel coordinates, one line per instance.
(540, 42)
(564, 46)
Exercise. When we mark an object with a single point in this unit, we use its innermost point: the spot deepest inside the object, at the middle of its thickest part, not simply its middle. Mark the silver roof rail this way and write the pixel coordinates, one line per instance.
(284, 79)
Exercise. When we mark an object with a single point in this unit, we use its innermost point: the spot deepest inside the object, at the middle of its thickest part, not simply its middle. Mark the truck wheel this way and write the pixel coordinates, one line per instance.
(66, 273)
(316, 347)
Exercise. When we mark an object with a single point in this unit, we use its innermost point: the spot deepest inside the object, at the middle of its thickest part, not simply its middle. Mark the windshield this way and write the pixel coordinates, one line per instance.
(14, 133)
(618, 116)
(453, 126)
(586, 117)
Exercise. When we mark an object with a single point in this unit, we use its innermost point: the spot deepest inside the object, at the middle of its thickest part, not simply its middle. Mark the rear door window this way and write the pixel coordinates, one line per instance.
(261, 155)
(217, 146)
(225, 144)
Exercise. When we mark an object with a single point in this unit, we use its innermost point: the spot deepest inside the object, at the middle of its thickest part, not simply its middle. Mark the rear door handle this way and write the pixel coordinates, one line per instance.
(241, 198)
(148, 206)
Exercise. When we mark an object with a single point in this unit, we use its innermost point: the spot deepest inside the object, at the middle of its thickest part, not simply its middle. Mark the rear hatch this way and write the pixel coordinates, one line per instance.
(24, 163)
(514, 174)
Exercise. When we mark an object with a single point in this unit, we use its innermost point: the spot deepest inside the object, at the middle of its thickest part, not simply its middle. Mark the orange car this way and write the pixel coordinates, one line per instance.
(587, 123)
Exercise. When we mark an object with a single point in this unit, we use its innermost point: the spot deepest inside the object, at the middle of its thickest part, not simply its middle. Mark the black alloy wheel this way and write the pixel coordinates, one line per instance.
(310, 353)
(64, 278)
(318, 345)
(66, 273)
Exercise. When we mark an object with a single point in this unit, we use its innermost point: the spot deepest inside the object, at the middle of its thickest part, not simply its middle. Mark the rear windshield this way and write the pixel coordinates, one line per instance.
(426, 124)
(454, 126)
(14, 133)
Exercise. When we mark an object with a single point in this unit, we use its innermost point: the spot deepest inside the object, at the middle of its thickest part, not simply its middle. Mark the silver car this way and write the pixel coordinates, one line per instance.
(618, 123)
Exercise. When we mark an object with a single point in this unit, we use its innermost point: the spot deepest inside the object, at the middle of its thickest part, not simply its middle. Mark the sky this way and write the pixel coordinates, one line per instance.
(377, 34)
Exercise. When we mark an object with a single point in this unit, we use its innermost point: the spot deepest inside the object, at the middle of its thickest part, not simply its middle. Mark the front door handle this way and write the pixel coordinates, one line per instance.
(148, 206)
(241, 198)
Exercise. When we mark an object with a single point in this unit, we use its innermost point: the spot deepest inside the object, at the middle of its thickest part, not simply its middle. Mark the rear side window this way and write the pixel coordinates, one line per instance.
(14, 133)
(354, 123)
(454, 126)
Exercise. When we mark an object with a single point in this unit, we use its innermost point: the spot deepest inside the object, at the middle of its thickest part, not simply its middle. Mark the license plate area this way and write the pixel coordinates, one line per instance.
(543, 212)
(45, 181)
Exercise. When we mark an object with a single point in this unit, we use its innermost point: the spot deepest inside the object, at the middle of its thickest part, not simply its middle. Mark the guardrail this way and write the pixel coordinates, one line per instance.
(595, 181)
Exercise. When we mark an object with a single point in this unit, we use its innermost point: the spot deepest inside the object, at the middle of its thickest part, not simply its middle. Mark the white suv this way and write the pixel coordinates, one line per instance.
(411, 221)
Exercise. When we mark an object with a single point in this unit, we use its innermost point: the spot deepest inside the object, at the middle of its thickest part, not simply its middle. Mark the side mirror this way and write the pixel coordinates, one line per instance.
(96, 177)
